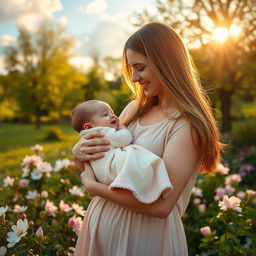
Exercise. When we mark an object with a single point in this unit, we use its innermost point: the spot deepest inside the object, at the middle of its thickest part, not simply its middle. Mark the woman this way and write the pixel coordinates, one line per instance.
(171, 117)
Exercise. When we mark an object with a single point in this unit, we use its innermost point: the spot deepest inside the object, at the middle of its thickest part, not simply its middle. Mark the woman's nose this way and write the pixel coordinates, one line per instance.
(135, 77)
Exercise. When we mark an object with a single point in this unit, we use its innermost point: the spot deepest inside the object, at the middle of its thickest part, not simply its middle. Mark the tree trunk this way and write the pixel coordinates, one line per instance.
(38, 118)
(225, 101)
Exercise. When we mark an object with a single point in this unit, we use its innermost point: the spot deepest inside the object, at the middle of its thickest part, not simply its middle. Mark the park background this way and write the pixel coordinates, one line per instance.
(55, 54)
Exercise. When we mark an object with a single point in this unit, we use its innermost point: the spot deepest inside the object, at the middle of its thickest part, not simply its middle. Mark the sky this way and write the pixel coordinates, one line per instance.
(100, 26)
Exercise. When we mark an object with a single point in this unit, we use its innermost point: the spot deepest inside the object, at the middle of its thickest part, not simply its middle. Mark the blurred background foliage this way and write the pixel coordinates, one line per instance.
(41, 87)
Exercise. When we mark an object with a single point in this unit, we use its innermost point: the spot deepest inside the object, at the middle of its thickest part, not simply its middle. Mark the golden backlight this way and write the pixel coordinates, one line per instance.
(221, 34)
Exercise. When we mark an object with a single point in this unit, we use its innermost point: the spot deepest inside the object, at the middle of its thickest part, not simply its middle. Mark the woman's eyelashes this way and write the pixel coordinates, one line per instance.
(140, 69)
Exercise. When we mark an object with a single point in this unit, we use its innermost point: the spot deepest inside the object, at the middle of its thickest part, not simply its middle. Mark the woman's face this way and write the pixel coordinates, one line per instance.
(143, 73)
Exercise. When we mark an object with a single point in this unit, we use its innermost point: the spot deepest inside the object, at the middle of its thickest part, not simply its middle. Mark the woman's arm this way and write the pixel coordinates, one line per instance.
(181, 159)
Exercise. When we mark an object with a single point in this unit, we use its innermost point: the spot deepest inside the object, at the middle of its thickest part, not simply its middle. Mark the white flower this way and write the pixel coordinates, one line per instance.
(36, 174)
(8, 182)
(197, 191)
(25, 172)
(37, 148)
(59, 164)
(197, 201)
(75, 190)
(79, 209)
(3, 210)
(3, 250)
(18, 208)
(19, 231)
(32, 195)
(230, 203)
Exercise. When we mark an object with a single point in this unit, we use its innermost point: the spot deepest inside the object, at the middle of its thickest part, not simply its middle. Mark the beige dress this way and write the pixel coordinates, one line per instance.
(110, 230)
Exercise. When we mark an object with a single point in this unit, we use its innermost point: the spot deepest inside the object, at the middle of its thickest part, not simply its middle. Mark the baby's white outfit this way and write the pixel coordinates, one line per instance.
(130, 166)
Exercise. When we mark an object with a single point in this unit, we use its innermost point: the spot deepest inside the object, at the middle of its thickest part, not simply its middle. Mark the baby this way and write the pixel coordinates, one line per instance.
(125, 165)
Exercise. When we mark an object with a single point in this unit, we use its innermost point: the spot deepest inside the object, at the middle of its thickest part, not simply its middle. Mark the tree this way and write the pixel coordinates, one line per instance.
(228, 61)
(40, 75)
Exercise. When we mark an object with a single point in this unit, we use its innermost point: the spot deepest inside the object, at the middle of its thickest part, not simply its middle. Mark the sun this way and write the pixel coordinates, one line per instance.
(221, 34)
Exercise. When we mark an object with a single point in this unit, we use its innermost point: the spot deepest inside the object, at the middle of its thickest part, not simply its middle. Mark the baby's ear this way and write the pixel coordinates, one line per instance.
(87, 126)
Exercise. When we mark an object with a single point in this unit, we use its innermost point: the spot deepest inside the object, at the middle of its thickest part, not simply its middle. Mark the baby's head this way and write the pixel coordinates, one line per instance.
(93, 113)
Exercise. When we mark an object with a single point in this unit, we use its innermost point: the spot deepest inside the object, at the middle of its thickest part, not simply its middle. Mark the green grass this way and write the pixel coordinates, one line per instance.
(16, 140)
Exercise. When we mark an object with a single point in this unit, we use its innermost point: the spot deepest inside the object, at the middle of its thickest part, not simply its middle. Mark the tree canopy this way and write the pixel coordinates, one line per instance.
(226, 59)
(39, 74)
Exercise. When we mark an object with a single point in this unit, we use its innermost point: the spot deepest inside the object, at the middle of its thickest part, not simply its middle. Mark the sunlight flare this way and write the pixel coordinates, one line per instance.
(221, 34)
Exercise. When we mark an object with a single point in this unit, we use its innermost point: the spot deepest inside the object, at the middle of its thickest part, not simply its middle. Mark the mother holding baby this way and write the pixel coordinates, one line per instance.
(170, 116)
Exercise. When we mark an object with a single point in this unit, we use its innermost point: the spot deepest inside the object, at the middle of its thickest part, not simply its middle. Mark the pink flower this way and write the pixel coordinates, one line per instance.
(75, 223)
(50, 208)
(206, 231)
(197, 201)
(75, 190)
(230, 203)
(44, 194)
(201, 207)
(39, 232)
(79, 209)
(222, 169)
(233, 179)
(64, 207)
(32, 161)
(241, 195)
(37, 148)
(18, 208)
(251, 192)
(44, 167)
(23, 183)
(220, 192)
(229, 190)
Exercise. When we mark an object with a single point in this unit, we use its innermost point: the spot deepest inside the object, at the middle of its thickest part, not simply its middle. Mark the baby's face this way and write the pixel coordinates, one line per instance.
(104, 116)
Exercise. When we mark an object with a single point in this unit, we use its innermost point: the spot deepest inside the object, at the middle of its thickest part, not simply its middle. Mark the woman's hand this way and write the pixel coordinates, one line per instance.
(91, 147)
(89, 180)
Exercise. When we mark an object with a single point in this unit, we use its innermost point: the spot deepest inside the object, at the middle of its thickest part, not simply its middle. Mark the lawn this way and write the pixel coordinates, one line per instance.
(16, 140)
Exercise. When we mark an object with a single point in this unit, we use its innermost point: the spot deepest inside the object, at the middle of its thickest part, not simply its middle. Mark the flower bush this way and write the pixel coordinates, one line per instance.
(41, 205)
(220, 219)
(41, 210)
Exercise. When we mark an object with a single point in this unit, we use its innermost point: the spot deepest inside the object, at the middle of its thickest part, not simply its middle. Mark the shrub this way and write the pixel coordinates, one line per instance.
(45, 202)
(244, 132)
(54, 133)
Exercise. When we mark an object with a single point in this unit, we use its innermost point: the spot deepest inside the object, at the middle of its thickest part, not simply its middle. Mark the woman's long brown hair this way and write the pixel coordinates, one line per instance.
(173, 65)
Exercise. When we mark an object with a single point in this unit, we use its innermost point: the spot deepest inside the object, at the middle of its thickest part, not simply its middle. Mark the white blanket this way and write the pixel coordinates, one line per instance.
(131, 167)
